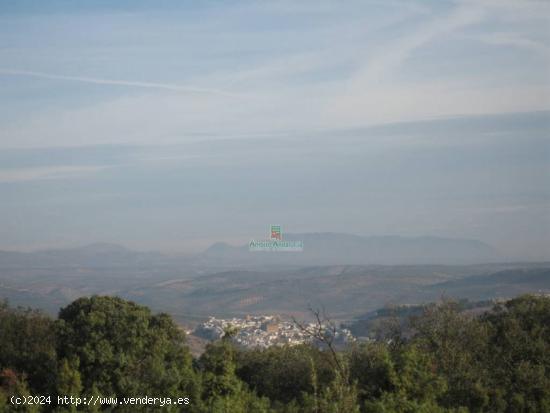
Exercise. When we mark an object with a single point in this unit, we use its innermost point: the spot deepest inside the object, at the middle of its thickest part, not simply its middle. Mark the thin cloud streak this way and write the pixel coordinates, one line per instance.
(394, 55)
(55, 172)
(505, 39)
(99, 81)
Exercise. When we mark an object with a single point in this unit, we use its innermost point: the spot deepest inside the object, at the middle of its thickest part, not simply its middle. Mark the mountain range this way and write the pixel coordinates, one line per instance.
(319, 249)
(346, 249)
(347, 274)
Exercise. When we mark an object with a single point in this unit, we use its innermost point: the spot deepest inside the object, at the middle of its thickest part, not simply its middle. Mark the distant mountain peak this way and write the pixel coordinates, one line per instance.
(333, 248)
(89, 249)
(102, 247)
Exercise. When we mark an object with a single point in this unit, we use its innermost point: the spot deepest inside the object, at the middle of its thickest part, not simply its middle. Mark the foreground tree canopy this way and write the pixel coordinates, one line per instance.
(448, 361)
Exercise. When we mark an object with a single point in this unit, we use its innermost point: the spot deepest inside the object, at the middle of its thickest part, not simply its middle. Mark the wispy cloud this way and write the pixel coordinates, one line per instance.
(396, 53)
(128, 83)
(516, 40)
(265, 71)
(50, 172)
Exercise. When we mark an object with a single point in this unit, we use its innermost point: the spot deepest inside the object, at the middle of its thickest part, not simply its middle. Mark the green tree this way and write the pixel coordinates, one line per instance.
(519, 356)
(340, 396)
(124, 350)
(68, 383)
(13, 384)
(458, 345)
(284, 373)
(373, 369)
(222, 390)
(27, 345)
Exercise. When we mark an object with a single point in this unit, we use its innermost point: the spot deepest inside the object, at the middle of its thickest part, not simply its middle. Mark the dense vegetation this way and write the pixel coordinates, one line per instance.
(452, 362)
(375, 324)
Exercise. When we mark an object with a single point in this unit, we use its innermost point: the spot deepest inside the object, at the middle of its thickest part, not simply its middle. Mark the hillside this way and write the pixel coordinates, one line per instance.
(226, 280)
(343, 290)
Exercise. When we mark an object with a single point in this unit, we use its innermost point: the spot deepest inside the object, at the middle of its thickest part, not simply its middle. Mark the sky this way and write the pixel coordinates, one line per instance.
(171, 125)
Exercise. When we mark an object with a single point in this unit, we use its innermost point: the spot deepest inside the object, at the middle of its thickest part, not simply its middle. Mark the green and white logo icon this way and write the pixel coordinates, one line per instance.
(276, 242)
(276, 232)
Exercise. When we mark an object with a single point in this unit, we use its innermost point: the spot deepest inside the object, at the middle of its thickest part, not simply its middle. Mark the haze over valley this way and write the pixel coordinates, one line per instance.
(144, 145)
(346, 274)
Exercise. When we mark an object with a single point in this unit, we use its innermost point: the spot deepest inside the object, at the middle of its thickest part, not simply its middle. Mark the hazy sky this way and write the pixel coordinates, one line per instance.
(169, 125)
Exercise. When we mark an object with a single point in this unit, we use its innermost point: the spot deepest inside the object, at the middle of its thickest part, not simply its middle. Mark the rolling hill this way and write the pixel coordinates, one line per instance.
(335, 271)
